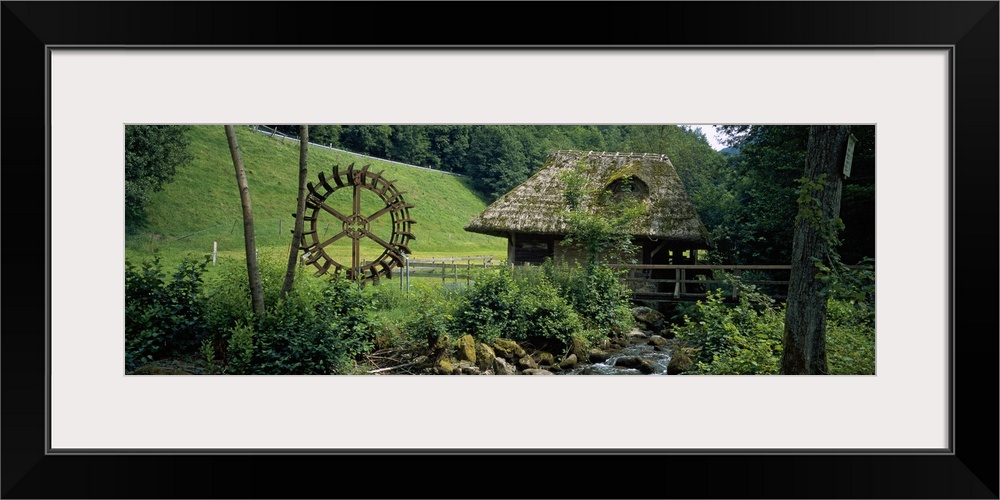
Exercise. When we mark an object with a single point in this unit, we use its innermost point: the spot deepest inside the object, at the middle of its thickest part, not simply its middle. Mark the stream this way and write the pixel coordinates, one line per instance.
(659, 360)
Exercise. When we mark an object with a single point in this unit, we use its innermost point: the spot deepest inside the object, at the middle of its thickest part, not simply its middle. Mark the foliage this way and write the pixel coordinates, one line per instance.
(239, 352)
(489, 308)
(605, 231)
(163, 318)
(207, 351)
(523, 307)
(574, 183)
(152, 155)
(373, 140)
(434, 314)
(598, 295)
(850, 325)
(228, 292)
(316, 330)
(498, 159)
(743, 339)
(543, 313)
(749, 218)
(850, 337)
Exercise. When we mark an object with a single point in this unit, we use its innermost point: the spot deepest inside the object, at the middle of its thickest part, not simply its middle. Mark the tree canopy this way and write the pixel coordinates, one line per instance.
(152, 155)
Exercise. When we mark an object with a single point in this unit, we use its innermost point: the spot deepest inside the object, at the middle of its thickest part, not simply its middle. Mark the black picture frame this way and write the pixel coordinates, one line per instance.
(969, 28)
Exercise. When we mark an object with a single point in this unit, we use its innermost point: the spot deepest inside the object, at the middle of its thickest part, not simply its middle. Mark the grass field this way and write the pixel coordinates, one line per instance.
(201, 206)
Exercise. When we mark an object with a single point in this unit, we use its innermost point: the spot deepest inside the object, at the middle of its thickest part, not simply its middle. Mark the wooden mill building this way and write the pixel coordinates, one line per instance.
(531, 216)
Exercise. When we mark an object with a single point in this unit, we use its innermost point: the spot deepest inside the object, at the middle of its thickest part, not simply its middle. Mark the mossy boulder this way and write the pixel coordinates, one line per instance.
(444, 366)
(544, 358)
(643, 365)
(508, 349)
(466, 349)
(681, 360)
(579, 346)
(526, 363)
(597, 356)
(569, 362)
(648, 319)
(657, 340)
(484, 356)
(441, 345)
(536, 371)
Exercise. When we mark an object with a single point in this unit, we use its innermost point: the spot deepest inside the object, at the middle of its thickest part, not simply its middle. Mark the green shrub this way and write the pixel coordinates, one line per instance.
(850, 323)
(746, 338)
(240, 349)
(227, 292)
(434, 314)
(489, 309)
(163, 318)
(208, 353)
(543, 314)
(597, 294)
(314, 330)
(741, 339)
(520, 304)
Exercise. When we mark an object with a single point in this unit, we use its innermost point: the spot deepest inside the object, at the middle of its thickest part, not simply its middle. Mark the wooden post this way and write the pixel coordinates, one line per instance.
(215, 251)
(468, 273)
(677, 283)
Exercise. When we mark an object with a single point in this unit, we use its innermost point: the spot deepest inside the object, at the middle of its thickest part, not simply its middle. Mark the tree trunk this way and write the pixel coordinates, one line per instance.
(299, 210)
(256, 290)
(804, 340)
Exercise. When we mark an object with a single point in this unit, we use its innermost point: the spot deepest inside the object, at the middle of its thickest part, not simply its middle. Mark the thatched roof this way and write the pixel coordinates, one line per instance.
(536, 206)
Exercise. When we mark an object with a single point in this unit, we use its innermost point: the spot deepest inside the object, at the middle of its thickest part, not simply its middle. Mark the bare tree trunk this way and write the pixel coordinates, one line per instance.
(253, 272)
(804, 340)
(299, 210)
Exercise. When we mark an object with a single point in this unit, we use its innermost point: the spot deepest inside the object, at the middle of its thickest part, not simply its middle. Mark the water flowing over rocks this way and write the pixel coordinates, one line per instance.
(640, 352)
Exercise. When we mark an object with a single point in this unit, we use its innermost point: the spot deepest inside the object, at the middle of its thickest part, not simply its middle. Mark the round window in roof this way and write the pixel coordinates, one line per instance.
(630, 186)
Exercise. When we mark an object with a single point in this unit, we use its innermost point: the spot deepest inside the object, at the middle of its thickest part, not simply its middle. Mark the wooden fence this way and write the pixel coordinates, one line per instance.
(454, 269)
(666, 282)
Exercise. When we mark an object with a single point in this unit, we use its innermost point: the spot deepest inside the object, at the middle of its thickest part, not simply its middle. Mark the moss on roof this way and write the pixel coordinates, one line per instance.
(536, 206)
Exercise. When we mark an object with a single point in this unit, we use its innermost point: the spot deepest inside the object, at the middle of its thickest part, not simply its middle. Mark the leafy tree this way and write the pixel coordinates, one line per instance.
(497, 159)
(325, 134)
(451, 145)
(372, 140)
(754, 226)
(756, 230)
(412, 144)
(152, 155)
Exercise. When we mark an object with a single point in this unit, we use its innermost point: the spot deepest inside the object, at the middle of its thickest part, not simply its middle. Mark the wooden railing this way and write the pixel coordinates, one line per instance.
(447, 269)
(691, 281)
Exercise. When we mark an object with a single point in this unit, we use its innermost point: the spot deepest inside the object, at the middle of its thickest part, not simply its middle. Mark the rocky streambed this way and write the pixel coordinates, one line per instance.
(641, 352)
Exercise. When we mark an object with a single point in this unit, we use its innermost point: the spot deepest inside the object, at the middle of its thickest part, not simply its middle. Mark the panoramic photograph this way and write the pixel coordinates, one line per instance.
(597, 250)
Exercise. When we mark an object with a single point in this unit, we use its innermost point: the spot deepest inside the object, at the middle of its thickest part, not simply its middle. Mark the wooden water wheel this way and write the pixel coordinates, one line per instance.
(370, 214)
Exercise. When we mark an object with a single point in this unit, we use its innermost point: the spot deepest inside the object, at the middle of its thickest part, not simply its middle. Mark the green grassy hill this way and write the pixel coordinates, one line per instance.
(202, 204)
